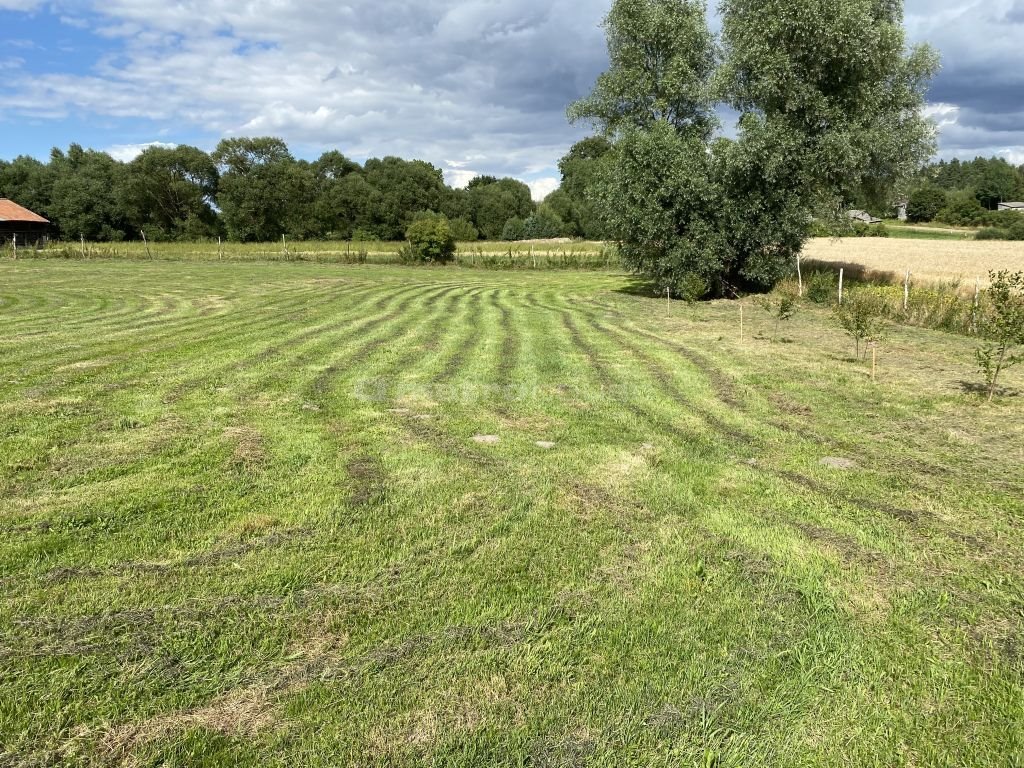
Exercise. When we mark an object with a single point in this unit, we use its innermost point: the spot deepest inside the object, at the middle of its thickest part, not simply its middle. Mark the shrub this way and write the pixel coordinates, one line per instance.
(430, 238)
(515, 229)
(543, 224)
(1002, 326)
(821, 287)
(924, 204)
(861, 316)
(991, 233)
(962, 209)
(820, 228)
(781, 305)
(1016, 230)
(463, 230)
(360, 235)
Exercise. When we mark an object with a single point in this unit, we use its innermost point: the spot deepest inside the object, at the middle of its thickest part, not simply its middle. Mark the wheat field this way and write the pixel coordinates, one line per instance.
(928, 260)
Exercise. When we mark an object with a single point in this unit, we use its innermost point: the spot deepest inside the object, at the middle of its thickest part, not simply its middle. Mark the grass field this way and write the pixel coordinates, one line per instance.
(928, 260)
(899, 230)
(539, 254)
(296, 514)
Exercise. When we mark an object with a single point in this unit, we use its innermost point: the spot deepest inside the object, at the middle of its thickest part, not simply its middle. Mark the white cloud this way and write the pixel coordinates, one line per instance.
(479, 83)
(128, 152)
(541, 188)
(459, 177)
(475, 86)
(942, 114)
(20, 5)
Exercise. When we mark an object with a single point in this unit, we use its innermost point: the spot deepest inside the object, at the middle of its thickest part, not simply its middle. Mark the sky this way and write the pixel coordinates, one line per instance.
(479, 86)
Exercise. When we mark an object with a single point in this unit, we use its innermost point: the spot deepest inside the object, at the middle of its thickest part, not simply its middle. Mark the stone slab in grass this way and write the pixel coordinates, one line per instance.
(547, 445)
(486, 439)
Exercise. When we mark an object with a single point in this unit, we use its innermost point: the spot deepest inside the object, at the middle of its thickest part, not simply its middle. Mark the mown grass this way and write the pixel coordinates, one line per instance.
(246, 522)
(927, 232)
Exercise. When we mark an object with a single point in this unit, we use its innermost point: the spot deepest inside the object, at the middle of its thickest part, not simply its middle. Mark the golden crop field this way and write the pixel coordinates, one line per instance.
(928, 260)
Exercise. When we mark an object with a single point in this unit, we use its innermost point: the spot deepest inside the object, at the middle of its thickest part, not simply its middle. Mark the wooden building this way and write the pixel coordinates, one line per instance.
(863, 217)
(1019, 207)
(21, 225)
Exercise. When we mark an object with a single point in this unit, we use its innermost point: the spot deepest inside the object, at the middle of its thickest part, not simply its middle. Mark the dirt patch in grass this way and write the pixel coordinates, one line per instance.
(245, 711)
(368, 480)
(249, 452)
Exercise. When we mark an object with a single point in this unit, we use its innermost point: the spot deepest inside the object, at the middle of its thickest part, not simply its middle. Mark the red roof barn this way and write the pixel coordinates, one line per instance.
(21, 224)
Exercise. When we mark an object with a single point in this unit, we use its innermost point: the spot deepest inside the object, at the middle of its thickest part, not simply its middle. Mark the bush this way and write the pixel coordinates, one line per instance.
(781, 304)
(820, 228)
(430, 238)
(360, 235)
(515, 229)
(821, 287)
(1002, 326)
(1013, 231)
(463, 230)
(861, 316)
(991, 233)
(924, 204)
(962, 209)
(543, 225)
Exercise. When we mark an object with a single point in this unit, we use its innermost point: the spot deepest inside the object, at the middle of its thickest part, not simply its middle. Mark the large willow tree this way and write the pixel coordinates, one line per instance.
(829, 101)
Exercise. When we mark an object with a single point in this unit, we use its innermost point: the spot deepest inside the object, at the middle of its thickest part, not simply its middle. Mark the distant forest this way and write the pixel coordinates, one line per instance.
(967, 193)
(254, 189)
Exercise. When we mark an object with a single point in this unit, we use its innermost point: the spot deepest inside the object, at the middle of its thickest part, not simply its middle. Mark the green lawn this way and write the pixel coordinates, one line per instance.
(246, 523)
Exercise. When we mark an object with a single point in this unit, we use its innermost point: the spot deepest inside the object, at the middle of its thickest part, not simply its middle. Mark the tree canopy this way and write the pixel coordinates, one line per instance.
(830, 103)
(255, 189)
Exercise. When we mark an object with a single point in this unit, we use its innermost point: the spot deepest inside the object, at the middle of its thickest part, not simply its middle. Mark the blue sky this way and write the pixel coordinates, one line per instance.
(478, 86)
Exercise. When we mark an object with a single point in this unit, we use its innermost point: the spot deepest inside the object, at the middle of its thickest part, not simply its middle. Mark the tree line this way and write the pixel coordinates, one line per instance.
(968, 194)
(255, 189)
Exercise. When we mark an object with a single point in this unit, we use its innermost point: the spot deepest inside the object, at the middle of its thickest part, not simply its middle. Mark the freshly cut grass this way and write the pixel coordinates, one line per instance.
(246, 522)
(928, 260)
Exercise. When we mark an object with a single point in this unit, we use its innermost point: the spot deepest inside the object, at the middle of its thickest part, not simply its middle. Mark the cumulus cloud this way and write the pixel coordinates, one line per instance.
(474, 86)
(477, 80)
(541, 188)
(128, 152)
(20, 5)
(978, 92)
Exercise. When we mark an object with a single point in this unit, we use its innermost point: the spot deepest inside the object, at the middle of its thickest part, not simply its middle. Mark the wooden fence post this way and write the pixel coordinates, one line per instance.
(82, 238)
(14, 245)
(841, 271)
(906, 292)
(146, 243)
(799, 276)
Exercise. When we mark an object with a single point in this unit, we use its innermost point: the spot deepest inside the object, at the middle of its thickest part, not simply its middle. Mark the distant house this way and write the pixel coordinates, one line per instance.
(21, 225)
(1019, 207)
(863, 217)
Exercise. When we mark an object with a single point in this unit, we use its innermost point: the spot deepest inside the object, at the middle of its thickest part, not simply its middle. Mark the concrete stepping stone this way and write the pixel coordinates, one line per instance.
(486, 439)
